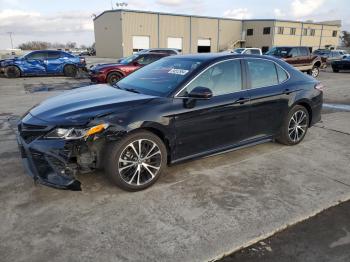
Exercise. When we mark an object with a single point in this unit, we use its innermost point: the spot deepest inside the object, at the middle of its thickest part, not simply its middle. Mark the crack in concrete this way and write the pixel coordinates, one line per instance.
(330, 129)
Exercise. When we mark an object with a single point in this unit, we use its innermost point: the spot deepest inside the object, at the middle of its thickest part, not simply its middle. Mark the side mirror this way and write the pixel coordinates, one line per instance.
(200, 92)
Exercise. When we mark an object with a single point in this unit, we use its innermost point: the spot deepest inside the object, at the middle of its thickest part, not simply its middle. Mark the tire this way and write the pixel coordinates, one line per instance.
(113, 78)
(12, 72)
(335, 70)
(129, 171)
(290, 134)
(315, 71)
(70, 70)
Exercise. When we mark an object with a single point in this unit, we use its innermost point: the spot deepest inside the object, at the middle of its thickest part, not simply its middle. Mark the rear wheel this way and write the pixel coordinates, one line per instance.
(295, 126)
(113, 78)
(137, 161)
(70, 70)
(335, 70)
(315, 71)
(12, 72)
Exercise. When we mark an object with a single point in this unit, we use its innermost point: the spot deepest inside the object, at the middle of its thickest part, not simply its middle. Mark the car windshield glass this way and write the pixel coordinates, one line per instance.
(161, 77)
(279, 51)
(238, 50)
(128, 59)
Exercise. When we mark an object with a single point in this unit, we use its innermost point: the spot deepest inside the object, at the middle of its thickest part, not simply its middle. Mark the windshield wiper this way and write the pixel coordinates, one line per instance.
(132, 90)
(126, 89)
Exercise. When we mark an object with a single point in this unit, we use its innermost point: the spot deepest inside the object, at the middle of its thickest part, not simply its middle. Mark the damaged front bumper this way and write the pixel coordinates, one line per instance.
(49, 163)
(53, 162)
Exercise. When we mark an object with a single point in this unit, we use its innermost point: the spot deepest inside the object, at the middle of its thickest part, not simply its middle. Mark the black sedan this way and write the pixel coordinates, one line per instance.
(178, 108)
(343, 64)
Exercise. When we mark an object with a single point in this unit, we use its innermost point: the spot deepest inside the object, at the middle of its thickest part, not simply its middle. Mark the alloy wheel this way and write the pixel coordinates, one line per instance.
(140, 162)
(315, 72)
(297, 126)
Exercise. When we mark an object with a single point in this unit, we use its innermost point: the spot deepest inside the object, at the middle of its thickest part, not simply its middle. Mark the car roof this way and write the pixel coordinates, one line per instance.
(290, 46)
(210, 57)
(162, 49)
(155, 53)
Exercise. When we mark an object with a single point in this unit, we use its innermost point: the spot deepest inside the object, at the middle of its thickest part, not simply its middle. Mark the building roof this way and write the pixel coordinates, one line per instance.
(332, 23)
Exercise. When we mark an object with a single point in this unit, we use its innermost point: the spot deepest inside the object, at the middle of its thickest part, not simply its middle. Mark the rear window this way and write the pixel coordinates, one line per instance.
(262, 73)
(282, 75)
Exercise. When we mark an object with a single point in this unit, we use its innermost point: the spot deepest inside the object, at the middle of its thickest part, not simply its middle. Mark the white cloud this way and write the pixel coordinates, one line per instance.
(302, 8)
(27, 22)
(279, 13)
(239, 13)
(170, 2)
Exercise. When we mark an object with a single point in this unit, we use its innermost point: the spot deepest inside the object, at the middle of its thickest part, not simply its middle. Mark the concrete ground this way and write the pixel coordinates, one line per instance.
(198, 211)
(323, 238)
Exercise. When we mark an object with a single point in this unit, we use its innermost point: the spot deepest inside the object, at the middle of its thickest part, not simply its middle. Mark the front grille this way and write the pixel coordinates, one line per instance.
(31, 132)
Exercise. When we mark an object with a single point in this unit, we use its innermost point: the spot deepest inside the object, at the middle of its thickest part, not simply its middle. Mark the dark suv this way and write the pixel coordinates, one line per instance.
(299, 57)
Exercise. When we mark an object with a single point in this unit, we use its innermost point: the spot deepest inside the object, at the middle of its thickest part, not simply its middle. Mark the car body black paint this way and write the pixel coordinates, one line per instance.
(189, 128)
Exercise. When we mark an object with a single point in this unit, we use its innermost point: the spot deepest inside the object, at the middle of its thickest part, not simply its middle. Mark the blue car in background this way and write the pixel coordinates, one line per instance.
(44, 62)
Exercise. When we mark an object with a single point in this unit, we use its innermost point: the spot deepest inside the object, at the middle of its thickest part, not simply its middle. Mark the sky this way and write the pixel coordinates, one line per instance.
(72, 20)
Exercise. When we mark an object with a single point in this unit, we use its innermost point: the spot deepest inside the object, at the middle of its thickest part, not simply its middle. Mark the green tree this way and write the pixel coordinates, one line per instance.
(345, 38)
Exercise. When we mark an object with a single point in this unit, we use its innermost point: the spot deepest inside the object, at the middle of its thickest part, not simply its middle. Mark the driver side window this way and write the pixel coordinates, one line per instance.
(37, 56)
(223, 78)
(145, 60)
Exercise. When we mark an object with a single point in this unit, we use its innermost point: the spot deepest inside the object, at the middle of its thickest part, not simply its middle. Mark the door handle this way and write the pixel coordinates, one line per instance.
(242, 100)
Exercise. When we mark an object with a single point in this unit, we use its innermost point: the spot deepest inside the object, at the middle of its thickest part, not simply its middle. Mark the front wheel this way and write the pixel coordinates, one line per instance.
(113, 78)
(295, 126)
(12, 72)
(137, 161)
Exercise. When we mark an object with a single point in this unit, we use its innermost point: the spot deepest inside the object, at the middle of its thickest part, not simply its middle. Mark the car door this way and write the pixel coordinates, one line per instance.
(294, 57)
(54, 62)
(269, 95)
(35, 63)
(304, 57)
(205, 125)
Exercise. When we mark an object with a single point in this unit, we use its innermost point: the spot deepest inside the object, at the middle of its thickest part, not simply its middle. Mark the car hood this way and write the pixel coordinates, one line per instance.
(103, 66)
(81, 105)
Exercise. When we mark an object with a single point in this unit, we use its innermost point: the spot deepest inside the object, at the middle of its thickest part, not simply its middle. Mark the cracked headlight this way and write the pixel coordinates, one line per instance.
(75, 133)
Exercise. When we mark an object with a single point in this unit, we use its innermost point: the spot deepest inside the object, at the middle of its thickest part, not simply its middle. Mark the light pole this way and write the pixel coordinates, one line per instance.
(10, 34)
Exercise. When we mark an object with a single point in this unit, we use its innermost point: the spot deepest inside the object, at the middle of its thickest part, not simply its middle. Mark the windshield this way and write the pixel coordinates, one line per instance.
(161, 77)
(128, 59)
(238, 50)
(279, 51)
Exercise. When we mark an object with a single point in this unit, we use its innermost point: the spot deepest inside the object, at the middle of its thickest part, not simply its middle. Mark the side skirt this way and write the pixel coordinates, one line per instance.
(225, 149)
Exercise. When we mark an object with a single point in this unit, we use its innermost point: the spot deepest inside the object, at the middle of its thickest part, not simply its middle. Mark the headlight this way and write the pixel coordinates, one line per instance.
(75, 133)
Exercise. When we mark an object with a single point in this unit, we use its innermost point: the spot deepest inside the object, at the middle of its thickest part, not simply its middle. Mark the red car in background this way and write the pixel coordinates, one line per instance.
(112, 73)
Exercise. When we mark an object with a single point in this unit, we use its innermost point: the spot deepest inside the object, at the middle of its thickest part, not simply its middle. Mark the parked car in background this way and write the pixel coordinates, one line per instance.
(112, 73)
(168, 51)
(175, 109)
(247, 51)
(299, 57)
(45, 62)
(343, 64)
(335, 55)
